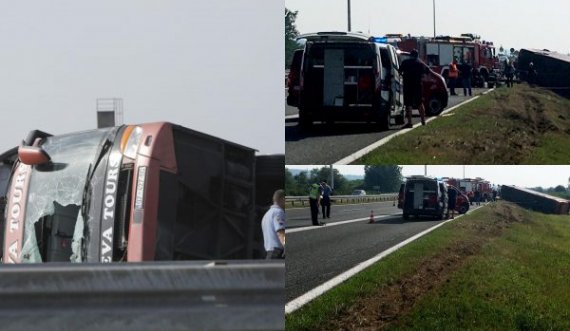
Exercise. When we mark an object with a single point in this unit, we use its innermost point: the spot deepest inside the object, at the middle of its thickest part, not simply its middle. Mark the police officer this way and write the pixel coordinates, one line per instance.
(314, 200)
(273, 227)
(326, 200)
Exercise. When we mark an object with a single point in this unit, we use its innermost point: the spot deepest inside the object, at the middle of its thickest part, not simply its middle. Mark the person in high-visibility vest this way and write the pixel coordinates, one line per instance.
(314, 200)
(453, 74)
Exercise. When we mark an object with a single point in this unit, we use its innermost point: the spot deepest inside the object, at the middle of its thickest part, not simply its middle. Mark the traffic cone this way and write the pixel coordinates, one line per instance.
(371, 220)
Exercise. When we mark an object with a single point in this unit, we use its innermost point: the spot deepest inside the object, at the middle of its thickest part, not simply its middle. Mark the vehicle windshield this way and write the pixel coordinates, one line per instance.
(53, 226)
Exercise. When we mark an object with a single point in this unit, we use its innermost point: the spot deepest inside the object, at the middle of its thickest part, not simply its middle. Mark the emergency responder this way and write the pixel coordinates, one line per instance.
(326, 200)
(413, 69)
(273, 227)
(451, 199)
(531, 77)
(509, 73)
(314, 200)
(466, 71)
(477, 197)
(453, 75)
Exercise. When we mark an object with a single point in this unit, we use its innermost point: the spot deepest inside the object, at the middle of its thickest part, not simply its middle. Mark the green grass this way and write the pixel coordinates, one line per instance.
(518, 282)
(330, 305)
(508, 126)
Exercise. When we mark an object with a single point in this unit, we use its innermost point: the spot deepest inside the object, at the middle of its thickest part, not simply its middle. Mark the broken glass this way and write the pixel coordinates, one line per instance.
(56, 192)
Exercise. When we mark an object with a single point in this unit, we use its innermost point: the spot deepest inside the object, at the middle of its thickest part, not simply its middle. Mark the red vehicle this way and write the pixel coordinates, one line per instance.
(439, 52)
(154, 191)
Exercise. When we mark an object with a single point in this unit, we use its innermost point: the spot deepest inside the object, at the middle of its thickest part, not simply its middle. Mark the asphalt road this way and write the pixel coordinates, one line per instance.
(328, 144)
(317, 255)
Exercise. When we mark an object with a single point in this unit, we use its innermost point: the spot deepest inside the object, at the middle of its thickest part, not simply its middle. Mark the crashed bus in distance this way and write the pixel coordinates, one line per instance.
(155, 191)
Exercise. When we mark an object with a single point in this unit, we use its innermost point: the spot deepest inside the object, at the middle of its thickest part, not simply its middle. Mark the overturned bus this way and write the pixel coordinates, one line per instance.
(155, 191)
(534, 200)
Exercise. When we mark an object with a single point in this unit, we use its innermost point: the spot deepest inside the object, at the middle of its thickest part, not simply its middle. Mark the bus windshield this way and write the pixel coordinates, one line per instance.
(54, 224)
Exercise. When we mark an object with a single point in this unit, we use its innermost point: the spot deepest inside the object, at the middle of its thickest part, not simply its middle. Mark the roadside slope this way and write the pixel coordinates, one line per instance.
(522, 125)
(501, 266)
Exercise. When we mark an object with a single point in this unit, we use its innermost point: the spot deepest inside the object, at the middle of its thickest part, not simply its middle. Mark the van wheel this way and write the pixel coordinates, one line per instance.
(399, 119)
(405, 216)
(464, 208)
(384, 121)
(434, 106)
(305, 120)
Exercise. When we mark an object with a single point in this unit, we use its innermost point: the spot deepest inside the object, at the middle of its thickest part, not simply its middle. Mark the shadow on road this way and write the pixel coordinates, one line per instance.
(293, 133)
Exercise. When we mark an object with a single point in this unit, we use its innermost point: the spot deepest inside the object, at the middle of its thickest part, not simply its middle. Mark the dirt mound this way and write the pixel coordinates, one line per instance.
(511, 124)
(394, 300)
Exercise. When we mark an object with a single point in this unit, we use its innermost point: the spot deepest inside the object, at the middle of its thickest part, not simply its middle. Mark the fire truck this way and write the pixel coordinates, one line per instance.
(440, 51)
(470, 185)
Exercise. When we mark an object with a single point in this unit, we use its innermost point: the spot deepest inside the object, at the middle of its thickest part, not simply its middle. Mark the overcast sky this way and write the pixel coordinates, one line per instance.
(512, 23)
(215, 66)
(520, 175)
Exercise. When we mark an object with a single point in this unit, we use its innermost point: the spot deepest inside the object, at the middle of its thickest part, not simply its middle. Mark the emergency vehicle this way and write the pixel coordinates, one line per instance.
(440, 51)
(423, 196)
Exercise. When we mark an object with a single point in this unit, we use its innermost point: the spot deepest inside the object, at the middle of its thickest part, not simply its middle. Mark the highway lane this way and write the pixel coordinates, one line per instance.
(316, 256)
(301, 217)
(328, 144)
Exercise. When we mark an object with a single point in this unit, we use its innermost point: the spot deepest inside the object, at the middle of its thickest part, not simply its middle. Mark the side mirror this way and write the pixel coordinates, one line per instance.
(31, 155)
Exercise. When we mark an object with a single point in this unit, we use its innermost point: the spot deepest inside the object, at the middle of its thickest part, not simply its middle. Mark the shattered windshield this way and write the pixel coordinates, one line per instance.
(53, 227)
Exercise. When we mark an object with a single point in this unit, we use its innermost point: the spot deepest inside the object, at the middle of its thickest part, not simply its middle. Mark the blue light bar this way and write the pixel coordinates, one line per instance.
(381, 40)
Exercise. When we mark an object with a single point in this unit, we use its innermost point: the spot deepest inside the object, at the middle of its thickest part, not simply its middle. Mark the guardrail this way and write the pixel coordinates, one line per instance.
(304, 200)
(143, 296)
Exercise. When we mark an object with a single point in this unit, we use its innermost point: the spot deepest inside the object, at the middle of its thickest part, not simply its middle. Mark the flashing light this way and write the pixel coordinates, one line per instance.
(381, 40)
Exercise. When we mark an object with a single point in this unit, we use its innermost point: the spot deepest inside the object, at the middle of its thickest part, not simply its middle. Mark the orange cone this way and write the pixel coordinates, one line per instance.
(371, 217)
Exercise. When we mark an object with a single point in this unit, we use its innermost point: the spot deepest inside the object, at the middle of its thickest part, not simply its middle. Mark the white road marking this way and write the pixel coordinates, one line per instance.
(357, 155)
(345, 204)
(299, 302)
(313, 227)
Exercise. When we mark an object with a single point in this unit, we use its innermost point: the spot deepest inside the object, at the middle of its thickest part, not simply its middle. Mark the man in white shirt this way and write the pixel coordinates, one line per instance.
(273, 226)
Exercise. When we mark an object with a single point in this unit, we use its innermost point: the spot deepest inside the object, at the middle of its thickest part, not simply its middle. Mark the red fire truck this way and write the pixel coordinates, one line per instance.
(439, 52)
(470, 185)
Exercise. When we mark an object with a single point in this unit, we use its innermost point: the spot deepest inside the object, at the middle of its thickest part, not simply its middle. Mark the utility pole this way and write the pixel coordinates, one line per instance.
(332, 177)
(463, 171)
(434, 35)
(349, 25)
(425, 170)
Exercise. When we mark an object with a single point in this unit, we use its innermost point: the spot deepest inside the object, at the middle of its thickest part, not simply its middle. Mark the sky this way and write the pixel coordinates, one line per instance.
(520, 175)
(214, 66)
(511, 23)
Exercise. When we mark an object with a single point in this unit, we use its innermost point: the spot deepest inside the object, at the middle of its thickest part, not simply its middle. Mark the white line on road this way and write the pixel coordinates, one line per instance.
(299, 302)
(357, 155)
(313, 227)
(345, 204)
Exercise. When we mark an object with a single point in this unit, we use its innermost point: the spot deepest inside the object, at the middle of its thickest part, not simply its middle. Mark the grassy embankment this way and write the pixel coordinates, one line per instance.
(522, 125)
(501, 267)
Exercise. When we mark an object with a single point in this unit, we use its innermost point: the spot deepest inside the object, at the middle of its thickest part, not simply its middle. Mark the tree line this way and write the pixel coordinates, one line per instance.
(377, 179)
(559, 191)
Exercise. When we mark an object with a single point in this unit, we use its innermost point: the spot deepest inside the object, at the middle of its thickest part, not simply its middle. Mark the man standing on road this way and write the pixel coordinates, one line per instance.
(477, 197)
(326, 200)
(453, 75)
(273, 227)
(466, 71)
(413, 70)
(451, 199)
(314, 200)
